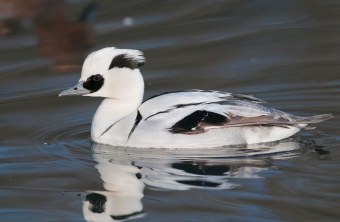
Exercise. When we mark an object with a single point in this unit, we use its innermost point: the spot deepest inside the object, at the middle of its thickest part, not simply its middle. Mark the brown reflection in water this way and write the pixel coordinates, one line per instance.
(64, 40)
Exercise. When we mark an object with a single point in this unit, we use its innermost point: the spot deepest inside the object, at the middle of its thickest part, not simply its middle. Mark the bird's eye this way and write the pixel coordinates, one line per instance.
(97, 77)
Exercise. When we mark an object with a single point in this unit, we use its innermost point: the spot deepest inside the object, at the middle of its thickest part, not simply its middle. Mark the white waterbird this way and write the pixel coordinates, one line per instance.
(182, 119)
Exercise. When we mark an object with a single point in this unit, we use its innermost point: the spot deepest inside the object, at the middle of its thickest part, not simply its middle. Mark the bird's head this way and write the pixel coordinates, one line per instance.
(111, 73)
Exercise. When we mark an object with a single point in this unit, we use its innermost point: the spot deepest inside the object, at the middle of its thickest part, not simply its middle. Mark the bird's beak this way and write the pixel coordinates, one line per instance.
(75, 90)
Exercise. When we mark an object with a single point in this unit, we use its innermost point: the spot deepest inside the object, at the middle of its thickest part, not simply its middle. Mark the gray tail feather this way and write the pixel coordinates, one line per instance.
(312, 119)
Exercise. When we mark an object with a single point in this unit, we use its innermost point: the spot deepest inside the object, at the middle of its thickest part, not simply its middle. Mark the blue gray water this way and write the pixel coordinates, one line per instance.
(285, 52)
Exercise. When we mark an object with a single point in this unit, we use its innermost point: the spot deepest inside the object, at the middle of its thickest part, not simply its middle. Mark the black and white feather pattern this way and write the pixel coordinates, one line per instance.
(196, 111)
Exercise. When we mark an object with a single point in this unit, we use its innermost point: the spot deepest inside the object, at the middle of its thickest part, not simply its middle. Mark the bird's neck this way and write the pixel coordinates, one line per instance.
(115, 117)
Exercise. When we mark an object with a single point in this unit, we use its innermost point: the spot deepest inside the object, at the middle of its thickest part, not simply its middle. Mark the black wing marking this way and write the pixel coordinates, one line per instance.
(221, 102)
(191, 123)
(189, 90)
(174, 107)
(249, 98)
(165, 93)
(201, 121)
(137, 120)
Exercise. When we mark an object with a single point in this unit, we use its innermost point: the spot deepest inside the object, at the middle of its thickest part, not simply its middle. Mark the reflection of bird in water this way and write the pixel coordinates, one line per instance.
(122, 198)
(125, 172)
(60, 39)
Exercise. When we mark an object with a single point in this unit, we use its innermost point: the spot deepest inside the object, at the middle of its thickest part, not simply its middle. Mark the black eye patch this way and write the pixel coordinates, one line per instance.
(94, 83)
(97, 201)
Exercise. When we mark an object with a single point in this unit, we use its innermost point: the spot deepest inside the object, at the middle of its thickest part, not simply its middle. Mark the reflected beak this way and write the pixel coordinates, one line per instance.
(75, 90)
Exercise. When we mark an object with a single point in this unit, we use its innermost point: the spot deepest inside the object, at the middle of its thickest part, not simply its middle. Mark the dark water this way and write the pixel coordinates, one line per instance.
(285, 52)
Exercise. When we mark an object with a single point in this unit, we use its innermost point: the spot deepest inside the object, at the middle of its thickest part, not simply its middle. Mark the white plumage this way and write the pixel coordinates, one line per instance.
(184, 119)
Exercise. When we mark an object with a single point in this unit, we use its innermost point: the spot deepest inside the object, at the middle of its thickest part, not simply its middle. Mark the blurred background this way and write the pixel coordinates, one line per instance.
(285, 52)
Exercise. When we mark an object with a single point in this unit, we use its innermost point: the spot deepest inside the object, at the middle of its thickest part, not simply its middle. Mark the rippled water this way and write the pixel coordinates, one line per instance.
(285, 52)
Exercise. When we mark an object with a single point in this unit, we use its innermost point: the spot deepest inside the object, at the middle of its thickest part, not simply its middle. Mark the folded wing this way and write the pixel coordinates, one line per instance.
(197, 111)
